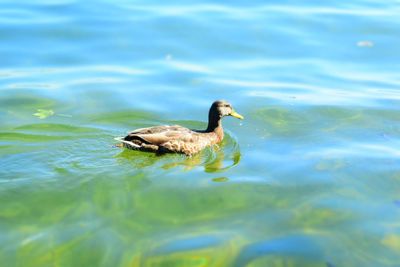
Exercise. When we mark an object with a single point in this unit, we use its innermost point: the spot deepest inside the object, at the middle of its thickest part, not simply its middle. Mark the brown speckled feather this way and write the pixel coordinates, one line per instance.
(172, 139)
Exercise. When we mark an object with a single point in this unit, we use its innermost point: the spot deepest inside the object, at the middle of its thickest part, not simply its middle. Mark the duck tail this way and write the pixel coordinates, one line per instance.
(127, 144)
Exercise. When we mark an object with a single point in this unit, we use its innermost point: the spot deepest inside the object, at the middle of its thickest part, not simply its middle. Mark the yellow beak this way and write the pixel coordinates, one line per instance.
(236, 115)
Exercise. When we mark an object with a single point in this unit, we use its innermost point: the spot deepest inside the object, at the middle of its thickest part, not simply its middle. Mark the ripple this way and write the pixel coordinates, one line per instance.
(289, 247)
(310, 94)
(184, 244)
(256, 11)
(56, 127)
(186, 66)
(95, 69)
(23, 16)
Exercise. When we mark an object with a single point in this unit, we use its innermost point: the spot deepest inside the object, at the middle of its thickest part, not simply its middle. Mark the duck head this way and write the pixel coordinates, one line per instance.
(218, 110)
(221, 108)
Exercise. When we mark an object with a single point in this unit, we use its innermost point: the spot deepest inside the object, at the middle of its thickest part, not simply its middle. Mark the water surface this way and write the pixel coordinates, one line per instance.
(311, 177)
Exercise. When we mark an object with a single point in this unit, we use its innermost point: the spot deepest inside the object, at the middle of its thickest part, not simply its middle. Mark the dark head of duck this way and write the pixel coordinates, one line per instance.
(218, 110)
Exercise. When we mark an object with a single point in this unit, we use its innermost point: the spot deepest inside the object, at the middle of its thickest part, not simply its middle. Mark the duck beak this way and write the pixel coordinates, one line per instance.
(236, 115)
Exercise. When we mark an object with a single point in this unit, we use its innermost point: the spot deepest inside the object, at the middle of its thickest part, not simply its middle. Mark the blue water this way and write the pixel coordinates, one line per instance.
(311, 177)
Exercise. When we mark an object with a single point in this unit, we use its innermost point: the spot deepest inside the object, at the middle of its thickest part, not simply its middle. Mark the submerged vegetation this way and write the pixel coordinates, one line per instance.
(310, 178)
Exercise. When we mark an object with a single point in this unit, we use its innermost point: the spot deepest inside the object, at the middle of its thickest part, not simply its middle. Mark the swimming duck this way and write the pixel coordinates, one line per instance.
(178, 139)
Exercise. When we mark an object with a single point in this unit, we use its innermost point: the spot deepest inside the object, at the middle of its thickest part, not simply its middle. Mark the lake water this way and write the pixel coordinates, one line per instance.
(311, 177)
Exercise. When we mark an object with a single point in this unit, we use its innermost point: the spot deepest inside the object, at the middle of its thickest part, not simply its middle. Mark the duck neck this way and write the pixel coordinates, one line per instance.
(215, 125)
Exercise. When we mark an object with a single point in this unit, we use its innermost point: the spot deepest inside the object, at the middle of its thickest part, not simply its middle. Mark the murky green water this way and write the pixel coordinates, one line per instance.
(311, 177)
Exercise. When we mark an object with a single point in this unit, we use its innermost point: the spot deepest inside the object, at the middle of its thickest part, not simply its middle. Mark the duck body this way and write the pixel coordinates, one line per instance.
(170, 139)
(179, 139)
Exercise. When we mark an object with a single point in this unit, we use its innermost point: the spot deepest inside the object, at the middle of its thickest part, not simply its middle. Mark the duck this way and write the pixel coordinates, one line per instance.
(178, 139)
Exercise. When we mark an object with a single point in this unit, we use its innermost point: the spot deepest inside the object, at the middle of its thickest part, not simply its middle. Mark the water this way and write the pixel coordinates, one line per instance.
(311, 177)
